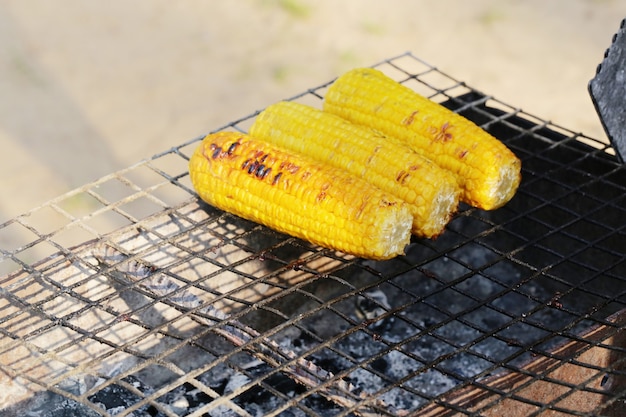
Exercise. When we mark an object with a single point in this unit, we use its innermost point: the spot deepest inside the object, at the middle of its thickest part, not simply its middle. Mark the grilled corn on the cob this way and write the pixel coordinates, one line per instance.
(431, 192)
(487, 171)
(295, 195)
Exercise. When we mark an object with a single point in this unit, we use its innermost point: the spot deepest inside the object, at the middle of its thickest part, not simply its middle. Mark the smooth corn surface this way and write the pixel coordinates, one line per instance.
(431, 192)
(486, 170)
(297, 196)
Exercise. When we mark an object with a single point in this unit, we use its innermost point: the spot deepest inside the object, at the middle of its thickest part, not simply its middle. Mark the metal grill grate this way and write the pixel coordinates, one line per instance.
(515, 312)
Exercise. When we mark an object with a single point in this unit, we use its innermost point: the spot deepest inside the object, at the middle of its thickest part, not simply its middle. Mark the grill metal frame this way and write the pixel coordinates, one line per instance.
(546, 270)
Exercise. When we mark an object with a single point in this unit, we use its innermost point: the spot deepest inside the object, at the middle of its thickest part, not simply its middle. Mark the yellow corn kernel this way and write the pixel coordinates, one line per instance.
(431, 192)
(487, 171)
(297, 196)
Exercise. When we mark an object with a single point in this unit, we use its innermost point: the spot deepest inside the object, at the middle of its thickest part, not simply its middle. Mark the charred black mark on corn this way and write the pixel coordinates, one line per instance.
(259, 170)
(263, 171)
(256, 166)
(232, 148)
(217, 152)
(253, 167)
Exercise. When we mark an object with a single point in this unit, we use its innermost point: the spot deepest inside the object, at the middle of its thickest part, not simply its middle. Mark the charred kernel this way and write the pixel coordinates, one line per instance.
(232, 148)
(253, 167)
(265, 173)
(260, 170)
(263, 158)
(216, 152)
(245, 164)
(276, 178)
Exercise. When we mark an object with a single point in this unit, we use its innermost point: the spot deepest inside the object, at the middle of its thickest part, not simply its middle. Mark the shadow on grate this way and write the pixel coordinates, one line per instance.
(140, 300)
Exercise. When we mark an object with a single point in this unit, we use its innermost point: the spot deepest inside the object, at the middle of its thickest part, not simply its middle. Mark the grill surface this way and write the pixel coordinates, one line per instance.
(512, 312)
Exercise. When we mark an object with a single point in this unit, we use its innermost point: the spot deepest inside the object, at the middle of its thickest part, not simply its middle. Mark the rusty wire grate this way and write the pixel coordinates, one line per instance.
(515, 312)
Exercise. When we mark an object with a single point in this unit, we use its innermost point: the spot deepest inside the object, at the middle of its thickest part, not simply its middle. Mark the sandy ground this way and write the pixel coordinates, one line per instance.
(88, 87)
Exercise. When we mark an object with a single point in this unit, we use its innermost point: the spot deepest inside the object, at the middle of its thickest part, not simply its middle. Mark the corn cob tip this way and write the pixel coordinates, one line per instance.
(502, 188)
(395, 231)
(444, 206)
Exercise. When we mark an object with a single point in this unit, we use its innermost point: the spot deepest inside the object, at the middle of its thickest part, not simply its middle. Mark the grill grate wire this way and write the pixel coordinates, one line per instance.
(530, 295)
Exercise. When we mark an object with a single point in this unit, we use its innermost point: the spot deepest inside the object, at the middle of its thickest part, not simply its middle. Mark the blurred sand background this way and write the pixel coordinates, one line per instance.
(88, 87)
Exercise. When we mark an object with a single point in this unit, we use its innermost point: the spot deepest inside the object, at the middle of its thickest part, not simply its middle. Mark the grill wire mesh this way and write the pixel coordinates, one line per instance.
(511, 312)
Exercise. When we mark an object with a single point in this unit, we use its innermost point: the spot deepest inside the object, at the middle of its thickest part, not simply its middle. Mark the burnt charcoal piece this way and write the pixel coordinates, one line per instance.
(114, 398)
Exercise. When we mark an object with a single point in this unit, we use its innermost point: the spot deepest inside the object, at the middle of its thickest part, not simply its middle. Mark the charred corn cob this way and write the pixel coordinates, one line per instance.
(431, 192)
(487, 171)
(299, 197)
